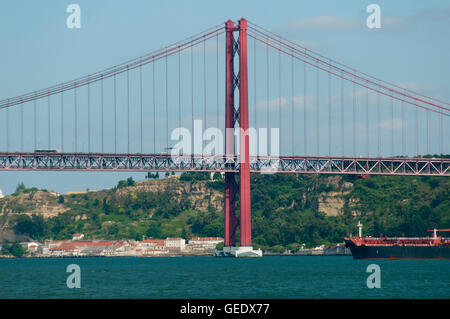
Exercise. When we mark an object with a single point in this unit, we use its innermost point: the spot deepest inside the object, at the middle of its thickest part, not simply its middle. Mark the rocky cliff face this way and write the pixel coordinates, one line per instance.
(332, 202)
(198, 193)
(47, 204)
(38, 202)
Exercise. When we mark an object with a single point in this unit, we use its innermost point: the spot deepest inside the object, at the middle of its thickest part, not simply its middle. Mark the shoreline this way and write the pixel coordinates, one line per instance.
(172, 256)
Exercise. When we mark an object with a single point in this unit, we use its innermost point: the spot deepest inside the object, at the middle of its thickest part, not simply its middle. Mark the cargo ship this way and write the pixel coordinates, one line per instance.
(383, 247)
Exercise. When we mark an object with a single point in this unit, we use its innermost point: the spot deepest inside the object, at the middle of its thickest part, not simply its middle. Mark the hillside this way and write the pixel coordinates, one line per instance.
(287, 209)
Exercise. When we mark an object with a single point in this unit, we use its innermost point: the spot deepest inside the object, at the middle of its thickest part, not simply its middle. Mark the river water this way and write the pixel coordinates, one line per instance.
(209, 277)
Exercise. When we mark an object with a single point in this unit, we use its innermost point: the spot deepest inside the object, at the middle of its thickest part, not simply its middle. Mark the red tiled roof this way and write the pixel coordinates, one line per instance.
(65, 246)
(158, 242)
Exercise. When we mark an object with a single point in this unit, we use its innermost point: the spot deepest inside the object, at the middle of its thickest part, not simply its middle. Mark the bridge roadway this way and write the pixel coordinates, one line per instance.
(221, 163)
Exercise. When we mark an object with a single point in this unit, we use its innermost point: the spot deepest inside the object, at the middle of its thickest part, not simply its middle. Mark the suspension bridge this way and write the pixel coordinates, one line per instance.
(240, 79)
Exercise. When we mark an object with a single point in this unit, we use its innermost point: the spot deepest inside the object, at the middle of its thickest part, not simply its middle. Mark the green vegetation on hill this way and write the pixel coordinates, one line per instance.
(285, 209)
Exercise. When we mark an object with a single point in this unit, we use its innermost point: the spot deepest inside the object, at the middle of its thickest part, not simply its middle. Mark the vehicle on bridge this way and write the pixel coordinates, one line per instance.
(57, 151)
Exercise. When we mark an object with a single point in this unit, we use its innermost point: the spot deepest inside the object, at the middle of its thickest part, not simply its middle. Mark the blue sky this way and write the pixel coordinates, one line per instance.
(38, 50)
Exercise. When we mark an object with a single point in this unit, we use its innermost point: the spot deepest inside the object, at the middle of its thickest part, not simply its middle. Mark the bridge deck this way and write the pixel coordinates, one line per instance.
(222, 163)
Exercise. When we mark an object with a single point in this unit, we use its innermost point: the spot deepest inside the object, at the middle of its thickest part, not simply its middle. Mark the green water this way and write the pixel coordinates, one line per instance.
(209, 277)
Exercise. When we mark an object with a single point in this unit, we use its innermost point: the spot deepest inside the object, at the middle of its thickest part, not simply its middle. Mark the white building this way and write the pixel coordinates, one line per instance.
(154, 244)
(1, 194)
(206, 242)
(175, 243)
(33, 246)
(77, 236)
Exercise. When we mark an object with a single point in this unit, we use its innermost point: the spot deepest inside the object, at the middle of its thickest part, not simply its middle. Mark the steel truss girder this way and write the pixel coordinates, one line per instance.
(222, 163)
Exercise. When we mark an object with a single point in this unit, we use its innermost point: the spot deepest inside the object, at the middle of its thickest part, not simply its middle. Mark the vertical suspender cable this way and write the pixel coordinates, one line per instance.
(279, 100)
(128, 111)
(89, 116)
(102, 111)
(416, 131)
(292, 104)
(62, 119)
(440, 135)
(378, 126)
(403, 128)
(192, 93)
(204, 90)
(342, 113)
(7, 128)
(115, 113)
(167, 104)
(354, 120)
(428, 132)
(254, 81)
(317, 111)
(179, 88)
(35, 122)
(367, 122)
(305, 140)
(217, 78)
(154, 109)
(76, 118)
(48, 120)
(141, 106)
(329, 114)
(267, 92)
(21, 126)
(392, 126)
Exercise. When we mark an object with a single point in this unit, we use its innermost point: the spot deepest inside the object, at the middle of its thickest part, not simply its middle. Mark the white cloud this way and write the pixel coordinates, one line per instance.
(276, 102)
(390, 124)
(326, 22)
(393, 22)
(299, 102)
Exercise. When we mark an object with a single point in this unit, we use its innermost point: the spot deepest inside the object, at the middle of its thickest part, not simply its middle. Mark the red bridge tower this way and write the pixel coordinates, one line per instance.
(238, 80)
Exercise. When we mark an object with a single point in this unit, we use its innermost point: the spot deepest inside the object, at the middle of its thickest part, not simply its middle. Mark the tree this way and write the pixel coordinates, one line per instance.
(150, 175)
(15, 249)
(153, 231)
(61, 199)
(195, 176)
(122, 184)
(24, 225)
(20, 188)
(35, 227)
(5, 249)
(130, 181)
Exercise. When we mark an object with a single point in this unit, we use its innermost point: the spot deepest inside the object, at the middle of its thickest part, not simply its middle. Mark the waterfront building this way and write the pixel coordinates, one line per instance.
(205, 242)
(34, 247)
(175, 243)
(155, 244)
